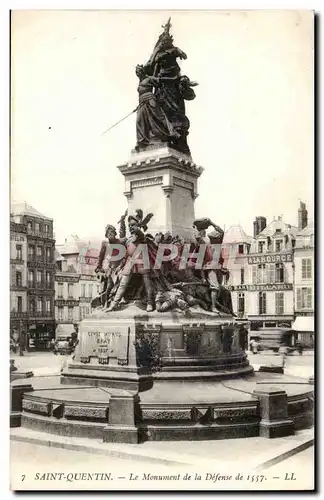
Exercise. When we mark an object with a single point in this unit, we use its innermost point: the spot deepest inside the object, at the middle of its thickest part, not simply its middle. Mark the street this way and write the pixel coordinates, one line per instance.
(47, 363)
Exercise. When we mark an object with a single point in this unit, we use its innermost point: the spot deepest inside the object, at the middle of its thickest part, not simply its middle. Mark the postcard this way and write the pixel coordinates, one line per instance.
(162, 250)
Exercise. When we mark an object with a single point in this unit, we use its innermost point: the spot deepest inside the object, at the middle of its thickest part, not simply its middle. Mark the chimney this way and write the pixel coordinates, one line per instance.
(302, 216)
(259, 225)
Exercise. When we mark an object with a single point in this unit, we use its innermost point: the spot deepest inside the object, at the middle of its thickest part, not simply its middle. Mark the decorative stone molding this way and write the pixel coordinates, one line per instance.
(36, 407)
(167, 414)
(150, 181)
(85, 359)
(177, 181)
(167, 190)
(234, 413)
(99, 413)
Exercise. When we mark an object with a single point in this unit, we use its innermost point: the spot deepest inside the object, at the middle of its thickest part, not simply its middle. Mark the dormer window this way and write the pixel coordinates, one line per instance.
(278, 245)
(261, 246)
(241, 249)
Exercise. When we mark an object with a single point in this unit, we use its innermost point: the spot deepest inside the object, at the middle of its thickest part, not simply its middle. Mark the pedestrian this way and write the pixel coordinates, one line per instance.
(22, 342)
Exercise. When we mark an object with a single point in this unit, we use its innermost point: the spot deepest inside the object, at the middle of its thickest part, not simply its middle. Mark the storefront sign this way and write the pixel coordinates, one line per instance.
(270, 259)
(70, 303)
(67, 279)
(87, 277)
(270, 287)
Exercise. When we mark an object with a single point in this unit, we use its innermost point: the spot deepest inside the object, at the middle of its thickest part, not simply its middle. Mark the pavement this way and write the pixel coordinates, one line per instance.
(272, 461)
(46, 363)
(37, 459)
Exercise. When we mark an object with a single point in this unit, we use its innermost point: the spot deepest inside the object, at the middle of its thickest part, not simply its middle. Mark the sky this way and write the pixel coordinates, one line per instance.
(73, 76)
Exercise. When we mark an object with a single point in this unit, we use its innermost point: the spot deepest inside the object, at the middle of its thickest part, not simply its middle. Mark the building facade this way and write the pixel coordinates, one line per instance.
(76, 284)
(32, 263)
(235, 251)
(272, 274)
(304, 260)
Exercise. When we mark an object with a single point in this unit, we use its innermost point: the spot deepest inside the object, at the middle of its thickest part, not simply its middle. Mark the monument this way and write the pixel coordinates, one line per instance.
(154, 355)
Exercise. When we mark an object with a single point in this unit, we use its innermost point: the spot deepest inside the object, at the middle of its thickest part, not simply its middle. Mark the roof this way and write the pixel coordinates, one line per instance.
(236, 234)
(22, 208)
(78, 246)
(276, 224)
(309, 230)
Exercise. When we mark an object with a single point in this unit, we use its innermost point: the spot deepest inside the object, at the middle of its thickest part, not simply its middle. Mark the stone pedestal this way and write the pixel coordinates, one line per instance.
(131, 349)
(164, 182)
(16, 398)
(274, 413)
(121, 427)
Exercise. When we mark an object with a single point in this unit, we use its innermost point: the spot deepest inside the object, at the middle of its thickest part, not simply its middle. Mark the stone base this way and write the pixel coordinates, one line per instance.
(130, 348)
(174, 410)
(276, 429)
(120, 434)
(15, 419)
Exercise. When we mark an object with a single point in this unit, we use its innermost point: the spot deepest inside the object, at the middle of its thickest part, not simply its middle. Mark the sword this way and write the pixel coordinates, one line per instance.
(114, 125)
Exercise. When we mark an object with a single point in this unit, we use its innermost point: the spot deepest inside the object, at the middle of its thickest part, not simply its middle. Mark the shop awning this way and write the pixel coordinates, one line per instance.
(64, 330)
(303, 324)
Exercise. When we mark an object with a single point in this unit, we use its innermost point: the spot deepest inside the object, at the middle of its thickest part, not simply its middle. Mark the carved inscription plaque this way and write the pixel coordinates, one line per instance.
(105, 343)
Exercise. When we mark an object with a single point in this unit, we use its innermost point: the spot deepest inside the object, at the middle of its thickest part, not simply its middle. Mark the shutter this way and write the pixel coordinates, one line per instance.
(272, 273)
(254, 274)
(265, 303)
(299, 298)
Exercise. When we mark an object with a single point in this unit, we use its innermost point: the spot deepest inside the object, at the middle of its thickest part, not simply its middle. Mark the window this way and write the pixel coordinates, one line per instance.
(272, 273)
(31, 277)
(31, 251)
(19, 304)
(241, 249)
(70, 290)
(48, 306)
(304, 298)
(241, 303)
(262, 273)
(280, 273)
(60, 313)
(29, 225)
(278, 245)
(48, 254)
(39, 305)
(39, 251)
(18, 278)
(48, 278)
(39, 276)
(279, 303)
(70, 314)
(60, 290)
(262, 303)
(269, 244)
(46, 228)
(242, 275)
(90, 290)
(261, 247)
(18, 252)
(83, 290)
(306, 268)
(32, 306)
(36, 227)
(254, 275)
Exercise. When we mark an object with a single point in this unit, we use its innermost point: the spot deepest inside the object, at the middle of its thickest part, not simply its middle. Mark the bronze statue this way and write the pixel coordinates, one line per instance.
(135, 225)
(163, 117)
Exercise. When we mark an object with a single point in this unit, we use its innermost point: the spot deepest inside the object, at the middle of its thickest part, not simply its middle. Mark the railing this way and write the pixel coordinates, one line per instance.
(17, 261)
(16, 287)
(18, 314)
(40, 234)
